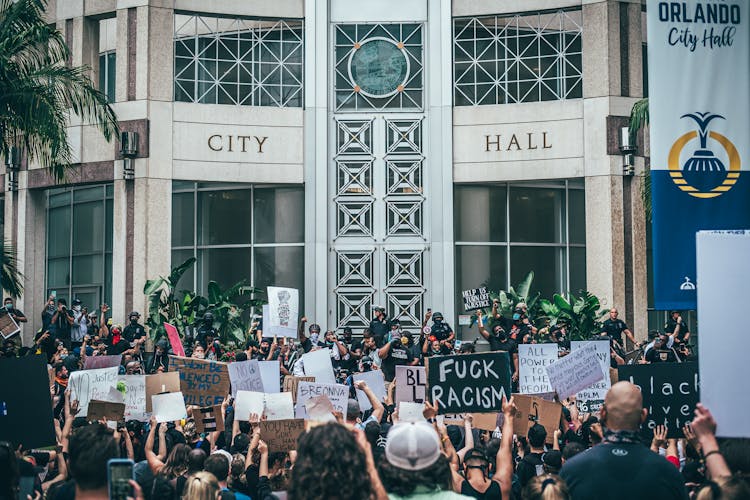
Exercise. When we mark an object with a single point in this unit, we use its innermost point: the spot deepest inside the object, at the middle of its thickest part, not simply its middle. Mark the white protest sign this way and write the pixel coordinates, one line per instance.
(86, 385)
(410, 412)
(168, 407)
(532, 361)
(283, 311)
(723, 270)
(318, 364)
(248, 402)
(135, 397)
(279, 406)
(245, 376)
(575, 372)
(270, 375)
(338, 394)
(411, 383)
(375, 380)
(591, 398)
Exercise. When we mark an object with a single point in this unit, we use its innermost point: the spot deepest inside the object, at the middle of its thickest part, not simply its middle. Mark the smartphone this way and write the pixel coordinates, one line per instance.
(119, 472)
(25, 487)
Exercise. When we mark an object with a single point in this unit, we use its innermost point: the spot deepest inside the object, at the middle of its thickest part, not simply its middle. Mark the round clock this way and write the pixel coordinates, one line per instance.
(378, 67)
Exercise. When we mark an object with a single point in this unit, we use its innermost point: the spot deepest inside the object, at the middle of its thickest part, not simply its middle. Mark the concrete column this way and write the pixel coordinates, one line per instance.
(120, 245)
(121, 70)
(32, 250)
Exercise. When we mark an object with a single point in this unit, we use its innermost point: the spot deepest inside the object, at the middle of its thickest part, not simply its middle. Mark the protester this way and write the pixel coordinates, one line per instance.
(546, 487)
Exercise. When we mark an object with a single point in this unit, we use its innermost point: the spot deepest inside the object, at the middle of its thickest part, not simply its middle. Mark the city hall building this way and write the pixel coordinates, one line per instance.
(391, 152)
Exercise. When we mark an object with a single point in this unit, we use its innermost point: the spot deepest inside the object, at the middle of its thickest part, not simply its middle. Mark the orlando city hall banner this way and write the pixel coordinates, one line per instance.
(699, 104)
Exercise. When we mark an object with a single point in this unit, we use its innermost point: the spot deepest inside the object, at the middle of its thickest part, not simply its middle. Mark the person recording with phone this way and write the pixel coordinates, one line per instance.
(61, 323)
(499, 341)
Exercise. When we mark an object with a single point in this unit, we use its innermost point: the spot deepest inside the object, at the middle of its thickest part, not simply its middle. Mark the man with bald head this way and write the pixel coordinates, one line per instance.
(622, 467)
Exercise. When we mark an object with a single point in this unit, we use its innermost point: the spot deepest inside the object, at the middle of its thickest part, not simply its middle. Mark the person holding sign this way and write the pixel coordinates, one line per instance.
(499, 341)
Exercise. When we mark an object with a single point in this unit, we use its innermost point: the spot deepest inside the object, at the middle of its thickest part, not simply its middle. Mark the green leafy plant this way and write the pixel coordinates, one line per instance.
(582, 314)
(508, 299)
(11, 278)
(231, 312)
(164, 305)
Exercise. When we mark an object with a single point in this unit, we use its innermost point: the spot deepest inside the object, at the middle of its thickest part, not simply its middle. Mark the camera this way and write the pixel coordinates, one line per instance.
(396, 343)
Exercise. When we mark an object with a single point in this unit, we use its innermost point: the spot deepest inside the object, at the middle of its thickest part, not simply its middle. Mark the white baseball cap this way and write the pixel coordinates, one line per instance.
(412, 446)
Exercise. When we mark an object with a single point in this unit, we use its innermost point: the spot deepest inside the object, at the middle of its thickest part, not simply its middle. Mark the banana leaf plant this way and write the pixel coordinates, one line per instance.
(164, 304)
(508, 299)
(583, 314)
(231, 309)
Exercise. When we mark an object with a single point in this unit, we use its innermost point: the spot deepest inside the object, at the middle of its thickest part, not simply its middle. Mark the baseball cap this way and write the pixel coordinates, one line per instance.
(412, 446)
(552, 458)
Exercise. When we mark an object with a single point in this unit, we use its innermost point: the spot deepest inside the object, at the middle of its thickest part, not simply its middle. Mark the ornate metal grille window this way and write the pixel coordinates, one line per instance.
(522, 58)
(378, 66)
(238, 61)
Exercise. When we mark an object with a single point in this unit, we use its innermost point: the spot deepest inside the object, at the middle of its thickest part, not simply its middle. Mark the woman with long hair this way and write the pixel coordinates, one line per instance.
(201, 486)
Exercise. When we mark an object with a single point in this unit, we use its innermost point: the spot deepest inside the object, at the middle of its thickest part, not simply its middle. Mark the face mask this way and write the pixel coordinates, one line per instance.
(314, 337)
(516, 316)
(76, 308)
(437, 321)
(9, 306)
(133, 321)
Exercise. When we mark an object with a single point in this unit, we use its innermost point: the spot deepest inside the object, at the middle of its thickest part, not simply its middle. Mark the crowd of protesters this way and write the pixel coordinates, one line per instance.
(370, 454)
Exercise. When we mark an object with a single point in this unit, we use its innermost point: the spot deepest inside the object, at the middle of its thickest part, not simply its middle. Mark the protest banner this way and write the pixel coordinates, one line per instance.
(245, 376)
(410, 412)
(281, 435)
(160, 383)
(279, 406)
(203, 382)
(8, 326)
(411, 384)
(94, 362)
(248, 402)
(670, 392)
(337, 393)
(25, 408)
(320, 409)
(575, 372)
(591, 398)
(532, 361)
(533, 410)
(135, 396)
(283, 312)
(208, 419)
(174, 340)
(376, 382)
(723, 268)
(291, 383)
(86, 385)
(318, 364)
(270, 374)
(476, 298)
(469, 382)
(106, 410)
(169, 407)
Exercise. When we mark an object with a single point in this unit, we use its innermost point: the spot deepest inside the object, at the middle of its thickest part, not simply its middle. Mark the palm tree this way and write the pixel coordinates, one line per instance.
(10, 277)
(37, 89)
(639, 118)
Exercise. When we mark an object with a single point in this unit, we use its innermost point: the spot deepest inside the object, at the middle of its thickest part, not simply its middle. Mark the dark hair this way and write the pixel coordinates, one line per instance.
(240, 444)
(736, 452)
(240, 356)
(177, 461)
(572, 449)
(537, 435)
(8, 471)
(372, 433)
(218, 465)
(402, 482)
(195, 460)
(90, 449)
(329, 459)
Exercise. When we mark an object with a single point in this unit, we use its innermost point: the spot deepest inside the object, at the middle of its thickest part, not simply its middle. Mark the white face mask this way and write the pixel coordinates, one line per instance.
(76, 308)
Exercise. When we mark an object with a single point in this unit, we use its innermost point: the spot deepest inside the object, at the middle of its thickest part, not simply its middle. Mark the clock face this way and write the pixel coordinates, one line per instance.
(378, 67)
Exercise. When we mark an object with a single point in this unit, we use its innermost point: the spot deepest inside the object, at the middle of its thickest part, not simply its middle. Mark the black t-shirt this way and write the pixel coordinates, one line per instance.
(397, 356)
(132, 332)
(380, 329)
(622, 471)
(510, 346)
(61, 325)
(530, 466)
(672, 325)
(660, 356)
(614, 329)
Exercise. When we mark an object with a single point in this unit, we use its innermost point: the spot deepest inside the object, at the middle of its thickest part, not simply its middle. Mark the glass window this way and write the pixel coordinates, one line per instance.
(537, 215)
(479, 213)
(277, 212)
(183, 217)
(476, 266)
(253, 62)
(224, 217)
(547, 264)
(519, 58)
(107, 71)
(226, 266)
(280, 266)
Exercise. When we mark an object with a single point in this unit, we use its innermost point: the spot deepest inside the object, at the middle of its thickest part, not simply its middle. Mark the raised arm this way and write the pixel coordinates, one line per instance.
(504, 459)
(468, 435)
(154, 462)
(704, 427)
(377, 406)
(480, 324)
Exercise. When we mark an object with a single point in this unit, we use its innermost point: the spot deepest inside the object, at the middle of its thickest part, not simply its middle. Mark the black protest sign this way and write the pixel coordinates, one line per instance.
(670, 392)
(25, 408)
(476, 298)
(469, 382)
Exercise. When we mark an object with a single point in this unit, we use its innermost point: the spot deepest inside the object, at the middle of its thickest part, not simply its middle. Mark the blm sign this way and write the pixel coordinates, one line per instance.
(469, 382)
(476, 298)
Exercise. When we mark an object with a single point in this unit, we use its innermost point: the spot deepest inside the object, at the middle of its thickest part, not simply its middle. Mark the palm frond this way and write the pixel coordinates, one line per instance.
(11, 278)
(639, 116)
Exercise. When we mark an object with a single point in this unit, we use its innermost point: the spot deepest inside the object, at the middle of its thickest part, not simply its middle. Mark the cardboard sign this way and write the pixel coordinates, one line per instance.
(476, 298)
(135, 397)
(283, 312)
(575, 372)
(337, 393)
(25, 406)
(591, 398)
(375, 380)
(245, 376)
(318, 364)
(86, 385)
(169, 407)
(532, 362)
(291, 383)
(203, 382)
(95, 362)
(279, 406)
(486, 421)
(270, 374)
(670, 392)
(410, 412)
(411, 384)
(174, 340)
(159, 383)
(281, 435)
(105, 410)
(248, 402)
(532, 410)
(8, 326)
(469, 382)
(208, 419)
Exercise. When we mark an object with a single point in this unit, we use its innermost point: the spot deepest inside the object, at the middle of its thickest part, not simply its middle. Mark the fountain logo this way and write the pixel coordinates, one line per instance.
(704, 175)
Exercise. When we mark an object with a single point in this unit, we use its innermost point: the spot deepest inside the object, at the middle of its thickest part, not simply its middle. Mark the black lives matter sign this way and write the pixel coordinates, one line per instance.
(476, 298)
(670, 393)
(469, 382)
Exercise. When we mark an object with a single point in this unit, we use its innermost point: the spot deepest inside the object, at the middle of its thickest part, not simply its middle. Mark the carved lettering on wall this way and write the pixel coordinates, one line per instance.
(236, 143)
(517, 142)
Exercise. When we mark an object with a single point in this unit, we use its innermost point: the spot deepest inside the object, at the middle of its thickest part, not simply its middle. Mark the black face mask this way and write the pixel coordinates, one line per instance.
(133, 321)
